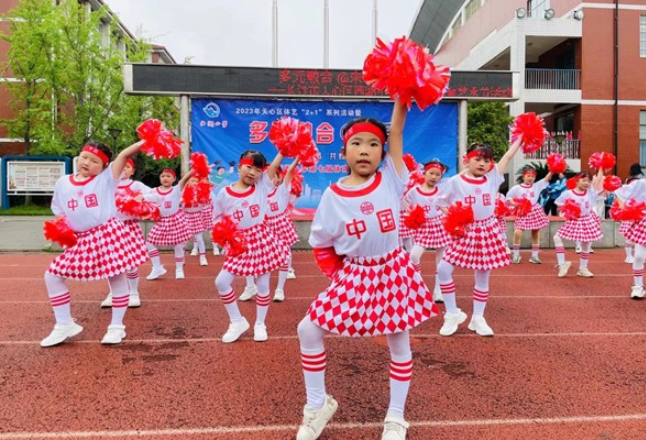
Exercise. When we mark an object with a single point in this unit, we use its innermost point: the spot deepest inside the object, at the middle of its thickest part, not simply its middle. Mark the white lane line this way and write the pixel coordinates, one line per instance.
(413, 336)
(218, 430)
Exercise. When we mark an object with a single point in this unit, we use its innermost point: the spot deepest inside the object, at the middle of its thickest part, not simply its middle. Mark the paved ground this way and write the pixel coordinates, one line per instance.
(567, 362)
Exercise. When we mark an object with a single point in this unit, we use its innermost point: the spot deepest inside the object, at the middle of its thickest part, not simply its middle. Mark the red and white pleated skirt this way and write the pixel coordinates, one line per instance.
(102, 252)
(372, 296)
(534, 220)
(483, 247)
(283, 228)
(637, 232)
(586, 229)
(170, 231)
(265, 253)
(432, 234)
(207, 217)
(624, 227)
(195, 221)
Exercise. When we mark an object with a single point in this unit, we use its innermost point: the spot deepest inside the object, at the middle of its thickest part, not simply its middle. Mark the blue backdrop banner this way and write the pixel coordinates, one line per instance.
(224, 128)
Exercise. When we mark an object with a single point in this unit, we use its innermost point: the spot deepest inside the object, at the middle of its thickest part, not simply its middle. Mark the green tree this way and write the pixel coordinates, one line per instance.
(488, 122)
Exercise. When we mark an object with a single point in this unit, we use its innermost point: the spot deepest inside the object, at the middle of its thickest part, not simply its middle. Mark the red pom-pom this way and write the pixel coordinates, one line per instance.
(532, 128)
(289, 135)
(611, 183)
(501, 209)
(633, 211)
(415, 178)
(410, 162)
(132, 203)
(158, 143)
(458, 219)
(203, 192)
(406, 70)
(309, 155)
(296, 184)
(59, 231)
(570, 210)
(523, 206)
(328, 260)
(189, 197)
(415, 217)
(200, 166)
(571, 183)
(226, 234)
(556, 163)
(603, 160)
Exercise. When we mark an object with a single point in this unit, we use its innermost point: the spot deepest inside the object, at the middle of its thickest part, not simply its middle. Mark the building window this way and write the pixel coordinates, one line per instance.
(642, 138)
(642, 35)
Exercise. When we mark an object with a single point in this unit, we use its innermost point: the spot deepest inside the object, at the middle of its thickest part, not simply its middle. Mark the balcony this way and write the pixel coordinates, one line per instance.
(569, 149)
(552, 79)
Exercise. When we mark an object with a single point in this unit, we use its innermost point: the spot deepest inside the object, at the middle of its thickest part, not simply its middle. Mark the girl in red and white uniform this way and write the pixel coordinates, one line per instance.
(586, 228)
(207, 220)
(196, 224)
(406, 234)
(502, 221)
(132, 225)
(432, 234)
(245, 201)
(635, 233)
(293, 198)
(625, 226)
(375, 288)
(536, 219)
(105, 248)
(481, 248)
(172, 229)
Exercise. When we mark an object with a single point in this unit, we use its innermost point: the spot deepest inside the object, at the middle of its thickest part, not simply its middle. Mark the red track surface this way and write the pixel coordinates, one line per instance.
(567, 361)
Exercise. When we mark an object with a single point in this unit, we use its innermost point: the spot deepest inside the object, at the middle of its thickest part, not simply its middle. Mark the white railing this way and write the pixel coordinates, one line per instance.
(553, 79)
(569, 149)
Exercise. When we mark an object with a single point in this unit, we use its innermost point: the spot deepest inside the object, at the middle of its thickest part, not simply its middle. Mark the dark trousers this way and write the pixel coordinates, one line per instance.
(550, 207)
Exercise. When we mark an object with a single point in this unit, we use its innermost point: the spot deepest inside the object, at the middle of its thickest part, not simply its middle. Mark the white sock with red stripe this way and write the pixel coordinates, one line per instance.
(59, 298)
(133, 280)
(560, 254)
(416, 257)
(447, 286)
(153, 254)
(628, 247)
(223, 285)
(516, 249)
(535, 248)
(480, 291)
(199, 242)
(282, 276)
(262, 298)
(314, 361)
(120, 297)
(584, 255)
(638, 264)
(179, 256)
(401, 372)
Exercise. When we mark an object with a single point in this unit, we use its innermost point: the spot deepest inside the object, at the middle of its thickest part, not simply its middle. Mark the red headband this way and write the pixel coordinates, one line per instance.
(98, 153)
(434, 165)
(131, 162)
(364, 127)
(530, 171)
(246, 161)
(169, 171)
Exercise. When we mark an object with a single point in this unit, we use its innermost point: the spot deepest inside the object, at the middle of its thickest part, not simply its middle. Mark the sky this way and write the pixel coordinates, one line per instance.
(239, 32)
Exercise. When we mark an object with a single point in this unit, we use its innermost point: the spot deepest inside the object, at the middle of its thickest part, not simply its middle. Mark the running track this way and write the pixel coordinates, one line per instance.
(567, 361)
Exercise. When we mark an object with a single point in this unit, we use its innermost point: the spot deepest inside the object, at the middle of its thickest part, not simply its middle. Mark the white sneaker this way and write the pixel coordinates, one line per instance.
(394, 428)
(637, 292)
(179, 274)
(248, 293)
(451, 322)
(437, 295)
(156, 273)
(591, 250)
(480, 326)
(114, 335)
(564, 268)
(279, 295)
(235, 330)
(203, 261)
(314, 420)
(585, 273)
(107, 302)
(194, 252)
(216, 251)
(629, 260)
(291, 275)
(577, 249)
(60, 333)
(260, 333)
(134, 301)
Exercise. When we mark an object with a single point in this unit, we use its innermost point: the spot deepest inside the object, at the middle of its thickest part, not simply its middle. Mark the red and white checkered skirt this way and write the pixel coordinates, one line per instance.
(637, 232)
(170, 231)
(372, 296)
(102, 252)
(283, 228)
(404, 232)
(207, 217)
(265, 253)
(133, 228)
(586, 229)
(482, 248)
(195, 221)
(535, 220)
(624, 227)
(432, 234)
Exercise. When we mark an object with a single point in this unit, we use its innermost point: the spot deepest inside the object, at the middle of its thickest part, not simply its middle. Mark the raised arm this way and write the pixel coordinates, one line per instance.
(597, 181)
(271, 170)
(184, 179)
(396, 136)
(290, 172)
(120, 162)
(504, 161)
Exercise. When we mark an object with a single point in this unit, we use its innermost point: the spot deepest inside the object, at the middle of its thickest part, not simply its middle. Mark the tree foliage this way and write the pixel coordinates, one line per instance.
(68, 61)
(488, 122)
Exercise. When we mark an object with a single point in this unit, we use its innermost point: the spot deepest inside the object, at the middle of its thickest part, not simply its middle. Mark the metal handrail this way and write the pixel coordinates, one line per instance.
(553, 79)
(569, 149)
